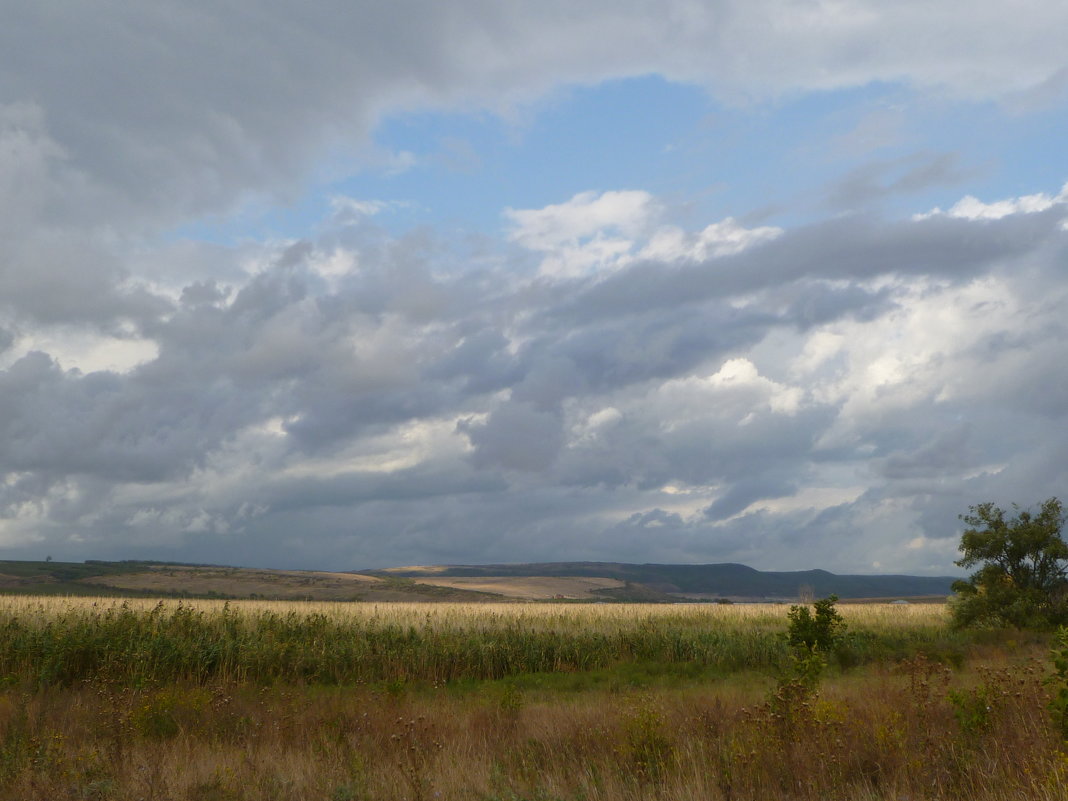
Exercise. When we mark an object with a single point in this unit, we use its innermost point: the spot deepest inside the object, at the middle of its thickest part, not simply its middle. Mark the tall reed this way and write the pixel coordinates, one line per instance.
(61, 642)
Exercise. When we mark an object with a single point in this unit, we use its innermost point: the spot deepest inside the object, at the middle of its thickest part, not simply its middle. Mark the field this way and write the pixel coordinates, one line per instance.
(213, 701)
(530, 588)
(308, 585)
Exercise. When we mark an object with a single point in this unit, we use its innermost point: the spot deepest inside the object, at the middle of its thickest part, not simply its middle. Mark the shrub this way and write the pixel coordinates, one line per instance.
(648, 747)
(1058, 705)
(815, 632)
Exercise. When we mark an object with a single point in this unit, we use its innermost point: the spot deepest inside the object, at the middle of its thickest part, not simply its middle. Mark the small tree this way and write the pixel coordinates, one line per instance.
(1023, 567)
(815, 632)
(811, 638)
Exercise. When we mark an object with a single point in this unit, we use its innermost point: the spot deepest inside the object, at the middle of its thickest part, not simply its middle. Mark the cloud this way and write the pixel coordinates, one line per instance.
(590, 233)
(173, 117)
(172, 113)
(971, 208)
(596, 234)
(715, 394)
(850, 249)
(821, 381)
(585, 215)
(724, 238)
(621, 378)
(349, 209)
(516, 436)
(879, 179)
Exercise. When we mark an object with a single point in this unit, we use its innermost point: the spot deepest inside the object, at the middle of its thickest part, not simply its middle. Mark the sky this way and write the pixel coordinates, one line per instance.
(348, 285)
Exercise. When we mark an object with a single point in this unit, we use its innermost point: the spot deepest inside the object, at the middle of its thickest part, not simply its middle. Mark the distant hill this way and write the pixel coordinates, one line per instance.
(717, 580)
(177, 580)
(571, 581)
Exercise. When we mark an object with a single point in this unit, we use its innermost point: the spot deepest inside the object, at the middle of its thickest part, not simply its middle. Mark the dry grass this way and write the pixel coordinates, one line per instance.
(886, 734)
(422, 718)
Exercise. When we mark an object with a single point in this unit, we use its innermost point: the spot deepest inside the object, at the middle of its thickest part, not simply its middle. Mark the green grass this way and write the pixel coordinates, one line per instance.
(184, 643)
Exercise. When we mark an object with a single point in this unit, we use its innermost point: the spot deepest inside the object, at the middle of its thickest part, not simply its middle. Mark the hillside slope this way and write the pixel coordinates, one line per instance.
(719, 580)
(168, 580)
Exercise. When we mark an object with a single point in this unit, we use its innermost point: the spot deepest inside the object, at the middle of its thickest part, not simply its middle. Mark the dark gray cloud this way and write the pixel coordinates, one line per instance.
(516, 436)
(846, 248)
(948, 452)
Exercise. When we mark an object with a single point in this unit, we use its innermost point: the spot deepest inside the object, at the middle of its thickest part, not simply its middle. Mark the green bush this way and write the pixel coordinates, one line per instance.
(815, 632)
(1058, 705)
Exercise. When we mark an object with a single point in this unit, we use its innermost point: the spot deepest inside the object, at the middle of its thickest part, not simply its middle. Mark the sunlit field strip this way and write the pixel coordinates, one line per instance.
(722, 617)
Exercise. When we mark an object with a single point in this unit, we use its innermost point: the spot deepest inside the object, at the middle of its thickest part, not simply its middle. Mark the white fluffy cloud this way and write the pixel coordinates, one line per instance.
(971, 208)
(600, 233)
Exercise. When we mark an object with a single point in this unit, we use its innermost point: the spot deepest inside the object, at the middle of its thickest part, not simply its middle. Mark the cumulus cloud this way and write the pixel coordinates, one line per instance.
(595, 234)
(586, 214)
(590, 233)
(660, 387)
(971, 208)
(700, 396)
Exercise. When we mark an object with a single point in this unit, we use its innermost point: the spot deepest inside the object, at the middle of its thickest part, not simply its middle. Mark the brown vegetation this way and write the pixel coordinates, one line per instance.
(889, 734)
(925, 715)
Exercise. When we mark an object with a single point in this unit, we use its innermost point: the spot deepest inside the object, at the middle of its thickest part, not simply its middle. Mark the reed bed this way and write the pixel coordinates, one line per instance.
(62, 641)
(482, 615)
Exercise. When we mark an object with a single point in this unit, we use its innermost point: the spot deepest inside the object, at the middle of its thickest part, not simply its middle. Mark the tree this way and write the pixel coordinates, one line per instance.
(819, 632)
(1022, 578)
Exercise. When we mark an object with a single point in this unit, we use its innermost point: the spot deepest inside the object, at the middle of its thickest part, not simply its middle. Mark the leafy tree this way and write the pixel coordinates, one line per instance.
(816, 632)
(1022, 578)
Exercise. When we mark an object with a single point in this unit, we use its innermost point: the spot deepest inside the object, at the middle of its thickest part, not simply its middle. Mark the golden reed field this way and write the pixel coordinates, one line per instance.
(249, 700)
(482, 615)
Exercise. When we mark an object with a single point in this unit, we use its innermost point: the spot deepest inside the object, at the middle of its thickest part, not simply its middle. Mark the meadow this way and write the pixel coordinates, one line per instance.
(211, 701)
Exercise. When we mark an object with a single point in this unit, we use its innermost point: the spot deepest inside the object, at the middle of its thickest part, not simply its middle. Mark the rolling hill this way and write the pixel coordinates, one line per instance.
(697, 581)
(578, 581)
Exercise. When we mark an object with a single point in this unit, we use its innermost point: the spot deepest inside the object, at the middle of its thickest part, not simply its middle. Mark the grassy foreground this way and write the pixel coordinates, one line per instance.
(211, 702)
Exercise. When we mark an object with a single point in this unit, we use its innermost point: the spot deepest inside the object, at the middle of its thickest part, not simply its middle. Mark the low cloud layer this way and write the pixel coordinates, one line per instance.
(830, 394)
